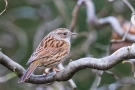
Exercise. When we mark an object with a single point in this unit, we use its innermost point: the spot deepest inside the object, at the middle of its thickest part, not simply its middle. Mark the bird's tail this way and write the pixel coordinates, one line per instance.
(28, 72)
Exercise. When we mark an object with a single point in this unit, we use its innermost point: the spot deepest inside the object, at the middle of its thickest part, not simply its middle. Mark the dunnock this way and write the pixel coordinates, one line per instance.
(51, 51)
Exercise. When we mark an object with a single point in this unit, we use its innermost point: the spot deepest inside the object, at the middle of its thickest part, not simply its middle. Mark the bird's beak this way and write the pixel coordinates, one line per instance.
(74, 34)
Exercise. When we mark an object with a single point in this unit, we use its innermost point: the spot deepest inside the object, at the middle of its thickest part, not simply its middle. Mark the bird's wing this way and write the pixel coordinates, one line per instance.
(46, 49)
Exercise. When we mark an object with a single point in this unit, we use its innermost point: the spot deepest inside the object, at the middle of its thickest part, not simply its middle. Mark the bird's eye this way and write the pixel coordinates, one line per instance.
(65, 33)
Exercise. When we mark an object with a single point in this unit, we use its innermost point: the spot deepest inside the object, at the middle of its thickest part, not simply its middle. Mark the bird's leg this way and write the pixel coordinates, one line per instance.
(46, 71)
(56, 70)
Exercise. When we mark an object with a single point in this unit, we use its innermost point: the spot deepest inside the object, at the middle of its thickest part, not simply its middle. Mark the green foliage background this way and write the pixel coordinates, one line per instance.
(22, 20)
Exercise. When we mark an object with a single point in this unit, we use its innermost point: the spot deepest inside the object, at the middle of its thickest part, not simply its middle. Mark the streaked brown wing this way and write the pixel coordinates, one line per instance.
(43, 53)
(44, 50)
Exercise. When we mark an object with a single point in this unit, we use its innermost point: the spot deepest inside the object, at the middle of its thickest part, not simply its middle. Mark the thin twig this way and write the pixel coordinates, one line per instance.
(97, 80)
(74, 17)
(110, 0)
(100, 73)
(6, 6)
(113, 74)
(133, 19)
(129, 5)
(7, 77)
(123, 82)
(132, 64)
(124, 37)
(72, 83)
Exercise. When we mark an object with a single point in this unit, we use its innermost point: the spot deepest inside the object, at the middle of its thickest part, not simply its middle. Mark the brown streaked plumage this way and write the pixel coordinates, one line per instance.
(51, 51)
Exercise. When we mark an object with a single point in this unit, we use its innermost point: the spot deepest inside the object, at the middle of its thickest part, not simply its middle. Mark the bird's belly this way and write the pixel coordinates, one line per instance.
(53, 60)
(49, 63)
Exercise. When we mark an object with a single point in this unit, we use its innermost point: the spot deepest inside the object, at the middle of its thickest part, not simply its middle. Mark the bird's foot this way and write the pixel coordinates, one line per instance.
(46, 71)
(55, 71)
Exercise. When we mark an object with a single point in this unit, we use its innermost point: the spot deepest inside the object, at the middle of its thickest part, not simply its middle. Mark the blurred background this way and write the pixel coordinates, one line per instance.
(26, 22)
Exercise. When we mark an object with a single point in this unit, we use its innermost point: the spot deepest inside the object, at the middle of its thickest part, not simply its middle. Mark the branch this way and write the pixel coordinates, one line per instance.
(7, 77)
(6, 6)
(110, 20)
(116, 27)
(123, 82)
(71, 80)
(74, 66)
(74, 17)
(129, 5)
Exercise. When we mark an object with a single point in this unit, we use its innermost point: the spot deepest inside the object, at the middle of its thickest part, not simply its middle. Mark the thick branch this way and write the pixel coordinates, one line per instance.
(74, 66)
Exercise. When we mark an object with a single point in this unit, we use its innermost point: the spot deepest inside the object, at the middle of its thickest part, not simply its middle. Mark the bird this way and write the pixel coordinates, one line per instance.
(53, 49)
